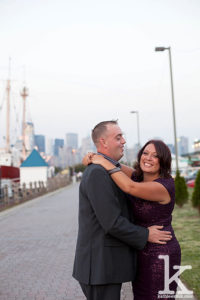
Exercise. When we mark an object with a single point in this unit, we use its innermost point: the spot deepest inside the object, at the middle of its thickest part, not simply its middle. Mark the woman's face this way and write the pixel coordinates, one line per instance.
(149, 161)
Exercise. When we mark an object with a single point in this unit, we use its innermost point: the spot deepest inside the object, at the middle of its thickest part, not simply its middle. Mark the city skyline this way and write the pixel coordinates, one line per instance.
(71, 142)
(68, 152)
(48, 142)
(88, 62)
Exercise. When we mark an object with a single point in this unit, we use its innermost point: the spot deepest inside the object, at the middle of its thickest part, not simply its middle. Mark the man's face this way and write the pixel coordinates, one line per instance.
(113, 142)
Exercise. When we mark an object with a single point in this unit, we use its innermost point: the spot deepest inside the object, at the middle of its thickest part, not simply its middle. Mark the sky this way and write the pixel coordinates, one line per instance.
(88, 61)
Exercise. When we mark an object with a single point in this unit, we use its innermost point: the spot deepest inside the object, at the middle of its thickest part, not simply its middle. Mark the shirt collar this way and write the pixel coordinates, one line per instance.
(114, 162)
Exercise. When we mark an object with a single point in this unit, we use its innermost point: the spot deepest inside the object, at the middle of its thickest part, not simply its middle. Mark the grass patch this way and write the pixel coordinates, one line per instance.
(186, 224)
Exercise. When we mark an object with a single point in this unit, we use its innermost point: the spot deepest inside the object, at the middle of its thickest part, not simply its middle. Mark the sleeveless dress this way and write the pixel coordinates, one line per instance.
(150, 270)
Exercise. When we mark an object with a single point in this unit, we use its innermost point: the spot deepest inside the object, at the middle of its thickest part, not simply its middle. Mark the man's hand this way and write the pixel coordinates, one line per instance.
(157, 236)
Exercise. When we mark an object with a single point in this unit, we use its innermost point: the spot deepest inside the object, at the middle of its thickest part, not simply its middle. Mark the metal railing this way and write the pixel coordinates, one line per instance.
(17, 193)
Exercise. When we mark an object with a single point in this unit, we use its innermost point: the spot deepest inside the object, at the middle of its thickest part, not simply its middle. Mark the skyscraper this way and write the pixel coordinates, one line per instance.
(87, 146)
(40, 142)
(72, 140)
(182, 145)
(59, 143)
(171, 148)
(29, 136)
(49, 146)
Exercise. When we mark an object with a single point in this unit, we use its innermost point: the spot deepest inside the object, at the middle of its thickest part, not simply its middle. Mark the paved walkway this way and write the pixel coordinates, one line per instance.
(37, 243)
(37, 249)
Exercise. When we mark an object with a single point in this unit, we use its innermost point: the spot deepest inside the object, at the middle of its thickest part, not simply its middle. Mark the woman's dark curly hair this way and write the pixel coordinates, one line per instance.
(164, 156)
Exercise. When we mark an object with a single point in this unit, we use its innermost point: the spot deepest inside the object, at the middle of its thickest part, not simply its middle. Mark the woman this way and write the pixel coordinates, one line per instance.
(152, 194)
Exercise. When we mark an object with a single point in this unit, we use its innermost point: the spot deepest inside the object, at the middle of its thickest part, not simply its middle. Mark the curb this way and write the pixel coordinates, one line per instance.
(30, 202)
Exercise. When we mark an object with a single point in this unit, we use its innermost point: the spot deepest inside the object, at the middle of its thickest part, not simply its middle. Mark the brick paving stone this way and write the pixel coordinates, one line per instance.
(37, 242)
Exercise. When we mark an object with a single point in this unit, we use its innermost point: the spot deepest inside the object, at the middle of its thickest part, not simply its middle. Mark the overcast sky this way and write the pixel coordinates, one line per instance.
(87, 61)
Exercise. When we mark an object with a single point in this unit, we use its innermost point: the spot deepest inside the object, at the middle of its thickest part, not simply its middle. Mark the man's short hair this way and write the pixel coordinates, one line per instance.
(100, 129)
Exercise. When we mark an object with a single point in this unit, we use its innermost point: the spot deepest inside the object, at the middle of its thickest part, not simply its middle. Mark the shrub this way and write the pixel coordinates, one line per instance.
(196, 192)
(181, 191)
(79, 167)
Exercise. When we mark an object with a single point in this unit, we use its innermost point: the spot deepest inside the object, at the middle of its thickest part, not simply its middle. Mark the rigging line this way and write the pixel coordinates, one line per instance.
(17, 127)
(3, 98)
(3, 101)
(16, 113)
(29, 111)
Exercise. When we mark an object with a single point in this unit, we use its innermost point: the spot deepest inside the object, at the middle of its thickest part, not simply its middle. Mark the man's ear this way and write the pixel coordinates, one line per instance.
(103, 142)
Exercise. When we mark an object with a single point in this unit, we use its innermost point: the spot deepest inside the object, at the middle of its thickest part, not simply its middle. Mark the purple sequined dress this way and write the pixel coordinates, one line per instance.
(150, 271)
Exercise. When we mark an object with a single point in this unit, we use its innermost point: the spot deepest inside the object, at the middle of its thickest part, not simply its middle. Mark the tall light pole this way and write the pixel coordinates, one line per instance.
(173, 105)
(138, 128)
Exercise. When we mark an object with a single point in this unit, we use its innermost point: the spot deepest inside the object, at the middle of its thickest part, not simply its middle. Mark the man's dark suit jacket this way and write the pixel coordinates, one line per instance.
(107, 238)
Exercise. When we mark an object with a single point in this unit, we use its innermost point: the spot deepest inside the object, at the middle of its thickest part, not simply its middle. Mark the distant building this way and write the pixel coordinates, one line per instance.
(33, 169)
(73, 156)
(194, 157)
(8, 175)
(129, 156)
(59, 143)
(196, 145)
(40, 142)
(5, 158)
(182, 163)
(16, 157)
(171, 148)
(182, 145)
(87, 146)
(61, 159)
(72, 140)
(136, 149)
(49, 146)
(29, 137)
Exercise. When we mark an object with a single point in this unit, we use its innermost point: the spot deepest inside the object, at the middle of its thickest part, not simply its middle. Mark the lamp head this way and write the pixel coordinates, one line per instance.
(133, 112)
(161, 48)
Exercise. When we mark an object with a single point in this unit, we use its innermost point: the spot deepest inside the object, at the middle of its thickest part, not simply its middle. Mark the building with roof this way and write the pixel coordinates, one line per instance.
(33, 169)
(194, 157)
(196, 145)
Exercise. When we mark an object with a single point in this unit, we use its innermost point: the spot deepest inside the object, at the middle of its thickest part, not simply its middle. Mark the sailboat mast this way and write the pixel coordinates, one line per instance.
(8, 88)
(24, 94)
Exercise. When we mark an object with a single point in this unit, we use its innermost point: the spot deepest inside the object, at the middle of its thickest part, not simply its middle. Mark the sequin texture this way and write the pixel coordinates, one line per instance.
(150, 270)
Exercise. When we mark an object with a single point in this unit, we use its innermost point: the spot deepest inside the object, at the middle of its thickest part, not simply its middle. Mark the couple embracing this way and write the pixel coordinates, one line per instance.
(125, 219)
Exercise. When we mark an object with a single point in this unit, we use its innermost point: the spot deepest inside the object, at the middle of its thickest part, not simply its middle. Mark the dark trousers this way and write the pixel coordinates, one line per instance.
(102, 292)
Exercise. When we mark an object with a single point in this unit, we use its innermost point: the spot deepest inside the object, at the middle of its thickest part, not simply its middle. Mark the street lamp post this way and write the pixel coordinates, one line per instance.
(173, 105)
(138, 128)
(73, 164)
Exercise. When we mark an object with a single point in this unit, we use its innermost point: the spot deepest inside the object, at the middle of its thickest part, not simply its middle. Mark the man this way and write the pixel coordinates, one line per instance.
(107, 238)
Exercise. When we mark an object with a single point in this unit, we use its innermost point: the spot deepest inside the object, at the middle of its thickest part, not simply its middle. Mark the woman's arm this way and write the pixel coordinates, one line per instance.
(127, 170)
(87, 159)
(152, 191)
